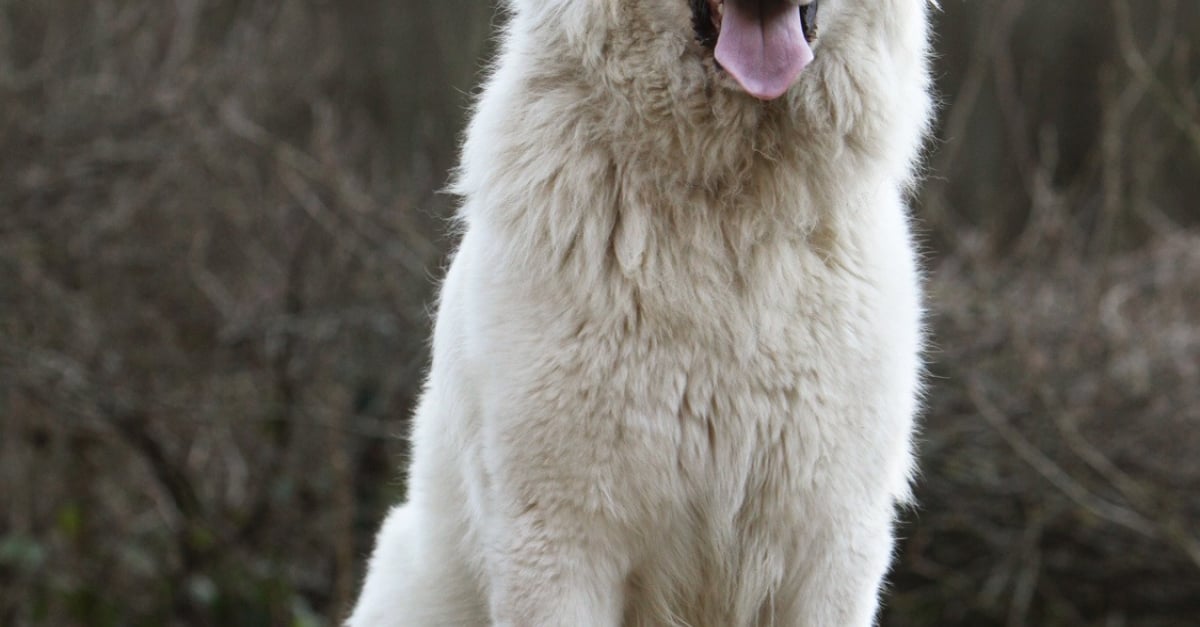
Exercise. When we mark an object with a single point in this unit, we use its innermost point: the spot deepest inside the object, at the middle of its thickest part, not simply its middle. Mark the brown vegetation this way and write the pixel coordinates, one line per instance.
(220, 229)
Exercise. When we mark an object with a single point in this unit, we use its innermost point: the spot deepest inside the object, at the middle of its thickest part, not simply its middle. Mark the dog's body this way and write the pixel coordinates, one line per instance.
(676, 357)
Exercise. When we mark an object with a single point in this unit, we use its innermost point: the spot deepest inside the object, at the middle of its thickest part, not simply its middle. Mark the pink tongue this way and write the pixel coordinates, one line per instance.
(762, 45)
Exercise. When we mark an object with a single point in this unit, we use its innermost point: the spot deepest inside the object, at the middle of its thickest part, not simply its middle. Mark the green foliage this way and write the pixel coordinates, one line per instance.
(21, 553)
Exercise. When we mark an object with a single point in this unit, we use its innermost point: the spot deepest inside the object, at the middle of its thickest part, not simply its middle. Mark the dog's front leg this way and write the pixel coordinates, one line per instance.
(556, 554)
(553, 568)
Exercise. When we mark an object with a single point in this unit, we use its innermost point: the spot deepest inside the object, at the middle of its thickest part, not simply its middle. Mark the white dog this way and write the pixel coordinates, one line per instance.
(676, 360)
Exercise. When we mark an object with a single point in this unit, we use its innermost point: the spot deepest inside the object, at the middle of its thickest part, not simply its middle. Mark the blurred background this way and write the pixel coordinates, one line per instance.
(221, 225)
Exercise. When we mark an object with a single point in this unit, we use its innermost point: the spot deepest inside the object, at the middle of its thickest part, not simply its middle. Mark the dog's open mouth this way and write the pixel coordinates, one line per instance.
(762, 44)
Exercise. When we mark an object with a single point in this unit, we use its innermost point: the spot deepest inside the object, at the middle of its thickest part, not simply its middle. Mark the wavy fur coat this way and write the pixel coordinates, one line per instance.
(676, 358)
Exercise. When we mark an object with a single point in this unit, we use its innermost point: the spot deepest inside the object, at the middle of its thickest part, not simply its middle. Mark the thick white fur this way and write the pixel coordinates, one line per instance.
(676, 357)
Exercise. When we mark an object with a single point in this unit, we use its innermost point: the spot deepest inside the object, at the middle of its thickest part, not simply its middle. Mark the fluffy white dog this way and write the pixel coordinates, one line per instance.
(676, 360)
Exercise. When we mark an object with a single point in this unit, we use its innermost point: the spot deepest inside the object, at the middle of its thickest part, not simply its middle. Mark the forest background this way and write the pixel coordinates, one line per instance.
(221, 227)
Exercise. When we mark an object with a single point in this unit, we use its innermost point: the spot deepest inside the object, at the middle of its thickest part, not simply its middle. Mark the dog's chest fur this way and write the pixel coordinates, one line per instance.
(691, 379)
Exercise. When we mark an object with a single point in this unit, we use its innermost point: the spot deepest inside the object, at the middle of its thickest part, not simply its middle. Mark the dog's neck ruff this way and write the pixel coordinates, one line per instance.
(592, 107)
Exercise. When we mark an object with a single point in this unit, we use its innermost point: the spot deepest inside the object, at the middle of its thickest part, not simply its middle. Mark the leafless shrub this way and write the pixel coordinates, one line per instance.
(1062, 449)
(215, 279)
